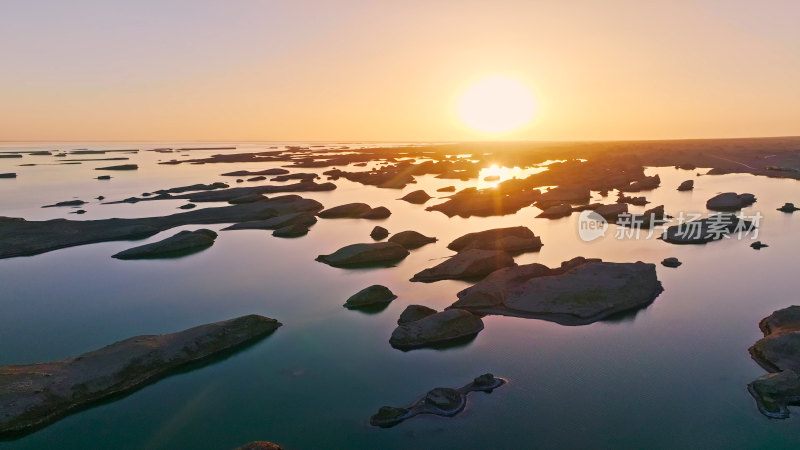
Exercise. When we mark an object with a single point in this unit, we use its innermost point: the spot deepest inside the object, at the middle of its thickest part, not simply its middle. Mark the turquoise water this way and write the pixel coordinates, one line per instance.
(671, 375)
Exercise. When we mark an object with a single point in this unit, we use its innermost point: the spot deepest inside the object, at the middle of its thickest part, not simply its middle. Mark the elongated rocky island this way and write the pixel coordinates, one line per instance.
(34, 395)
(440, 401)
(579, 292)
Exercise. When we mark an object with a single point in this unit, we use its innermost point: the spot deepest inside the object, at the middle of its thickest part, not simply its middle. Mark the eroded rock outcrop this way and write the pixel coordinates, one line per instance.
(274, 223)
(34, 395)
(416, 197)
(713, 228)
(379, 233)
(581, 291)
(411, 239)
(183, 243)
(730, 201)
(445, 402)
(466, 264)
(687, 185)
(511, 239)
(779, 353)
(355, 211)
(442, 328)
(365, 254)
(375, 295)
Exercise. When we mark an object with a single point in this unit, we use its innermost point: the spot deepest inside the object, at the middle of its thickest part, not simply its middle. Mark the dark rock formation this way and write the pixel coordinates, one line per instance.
(302, 219)
(671, 262)
(788, 208)
(104, 177)
(8, 175)
(416, 197)
(120, 167)
(370, 296)
(258, 178)
(193, 187)
(365, 254)
(379, 233)
(35, 395)
(436, 329)
(66, 203)
(757, 245)
(777, 352)
(411, 239)
(183, 243)
(19, 237)
(296, 176)
(486, 202)
(187, 206)
(710, 229)
(226, 195)
(355, 211)
(447, 189)
(247, 173)
(730, 201)
(381, 212)
(687, 185)
(412, 313)
(512, 240)
(445, 402)
(556, 211)
(246, 198)
(581, 291)
(466, 264)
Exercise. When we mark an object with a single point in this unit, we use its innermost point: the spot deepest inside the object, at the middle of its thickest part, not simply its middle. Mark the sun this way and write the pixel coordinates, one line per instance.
(497, 104)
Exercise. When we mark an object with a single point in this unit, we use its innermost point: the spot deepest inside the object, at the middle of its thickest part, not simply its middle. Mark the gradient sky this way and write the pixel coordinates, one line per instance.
(374, 70)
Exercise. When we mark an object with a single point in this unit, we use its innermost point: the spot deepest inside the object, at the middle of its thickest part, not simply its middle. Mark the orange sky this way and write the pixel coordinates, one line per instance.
(366, 70)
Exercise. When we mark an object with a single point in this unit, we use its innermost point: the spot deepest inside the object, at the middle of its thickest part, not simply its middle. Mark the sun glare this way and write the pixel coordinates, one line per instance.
(496, 104)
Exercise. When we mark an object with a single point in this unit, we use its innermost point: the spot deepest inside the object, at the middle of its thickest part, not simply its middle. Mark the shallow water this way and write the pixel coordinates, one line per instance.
(671, 375)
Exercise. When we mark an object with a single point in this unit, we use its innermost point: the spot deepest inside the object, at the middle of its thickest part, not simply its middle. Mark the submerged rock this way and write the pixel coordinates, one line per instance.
(411, 239)
(581, 291)
(412, 313)
(417, 197)
(379, 233)
(365, 254)
(35, 395)
(445, 402)
(436, 329)
(777, 352)
(510, 239)
(370, 296)
(687, 185)
(788, 208)
(671, 262)
(180, 244)
(730, 201)
(471, 263)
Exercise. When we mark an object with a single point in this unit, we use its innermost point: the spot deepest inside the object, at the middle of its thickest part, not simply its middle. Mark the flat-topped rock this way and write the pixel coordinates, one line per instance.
(411, 239)
(778, 353)
(446, 402)
(365, 254)
(788, 208)
(581, 291)
(66, 203)
(354, 211)
(466, 264)
(374, 295)
(291, 231)
(416, 197)
(671, 262)
(34, 395)
(247, 173)
(730, 201)
(8, 175)
(510, 239)
(447, 189)
(436, 329)
(183, 243)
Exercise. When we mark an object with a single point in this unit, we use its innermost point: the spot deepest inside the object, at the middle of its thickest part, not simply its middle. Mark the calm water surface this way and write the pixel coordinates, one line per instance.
(673, 375)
